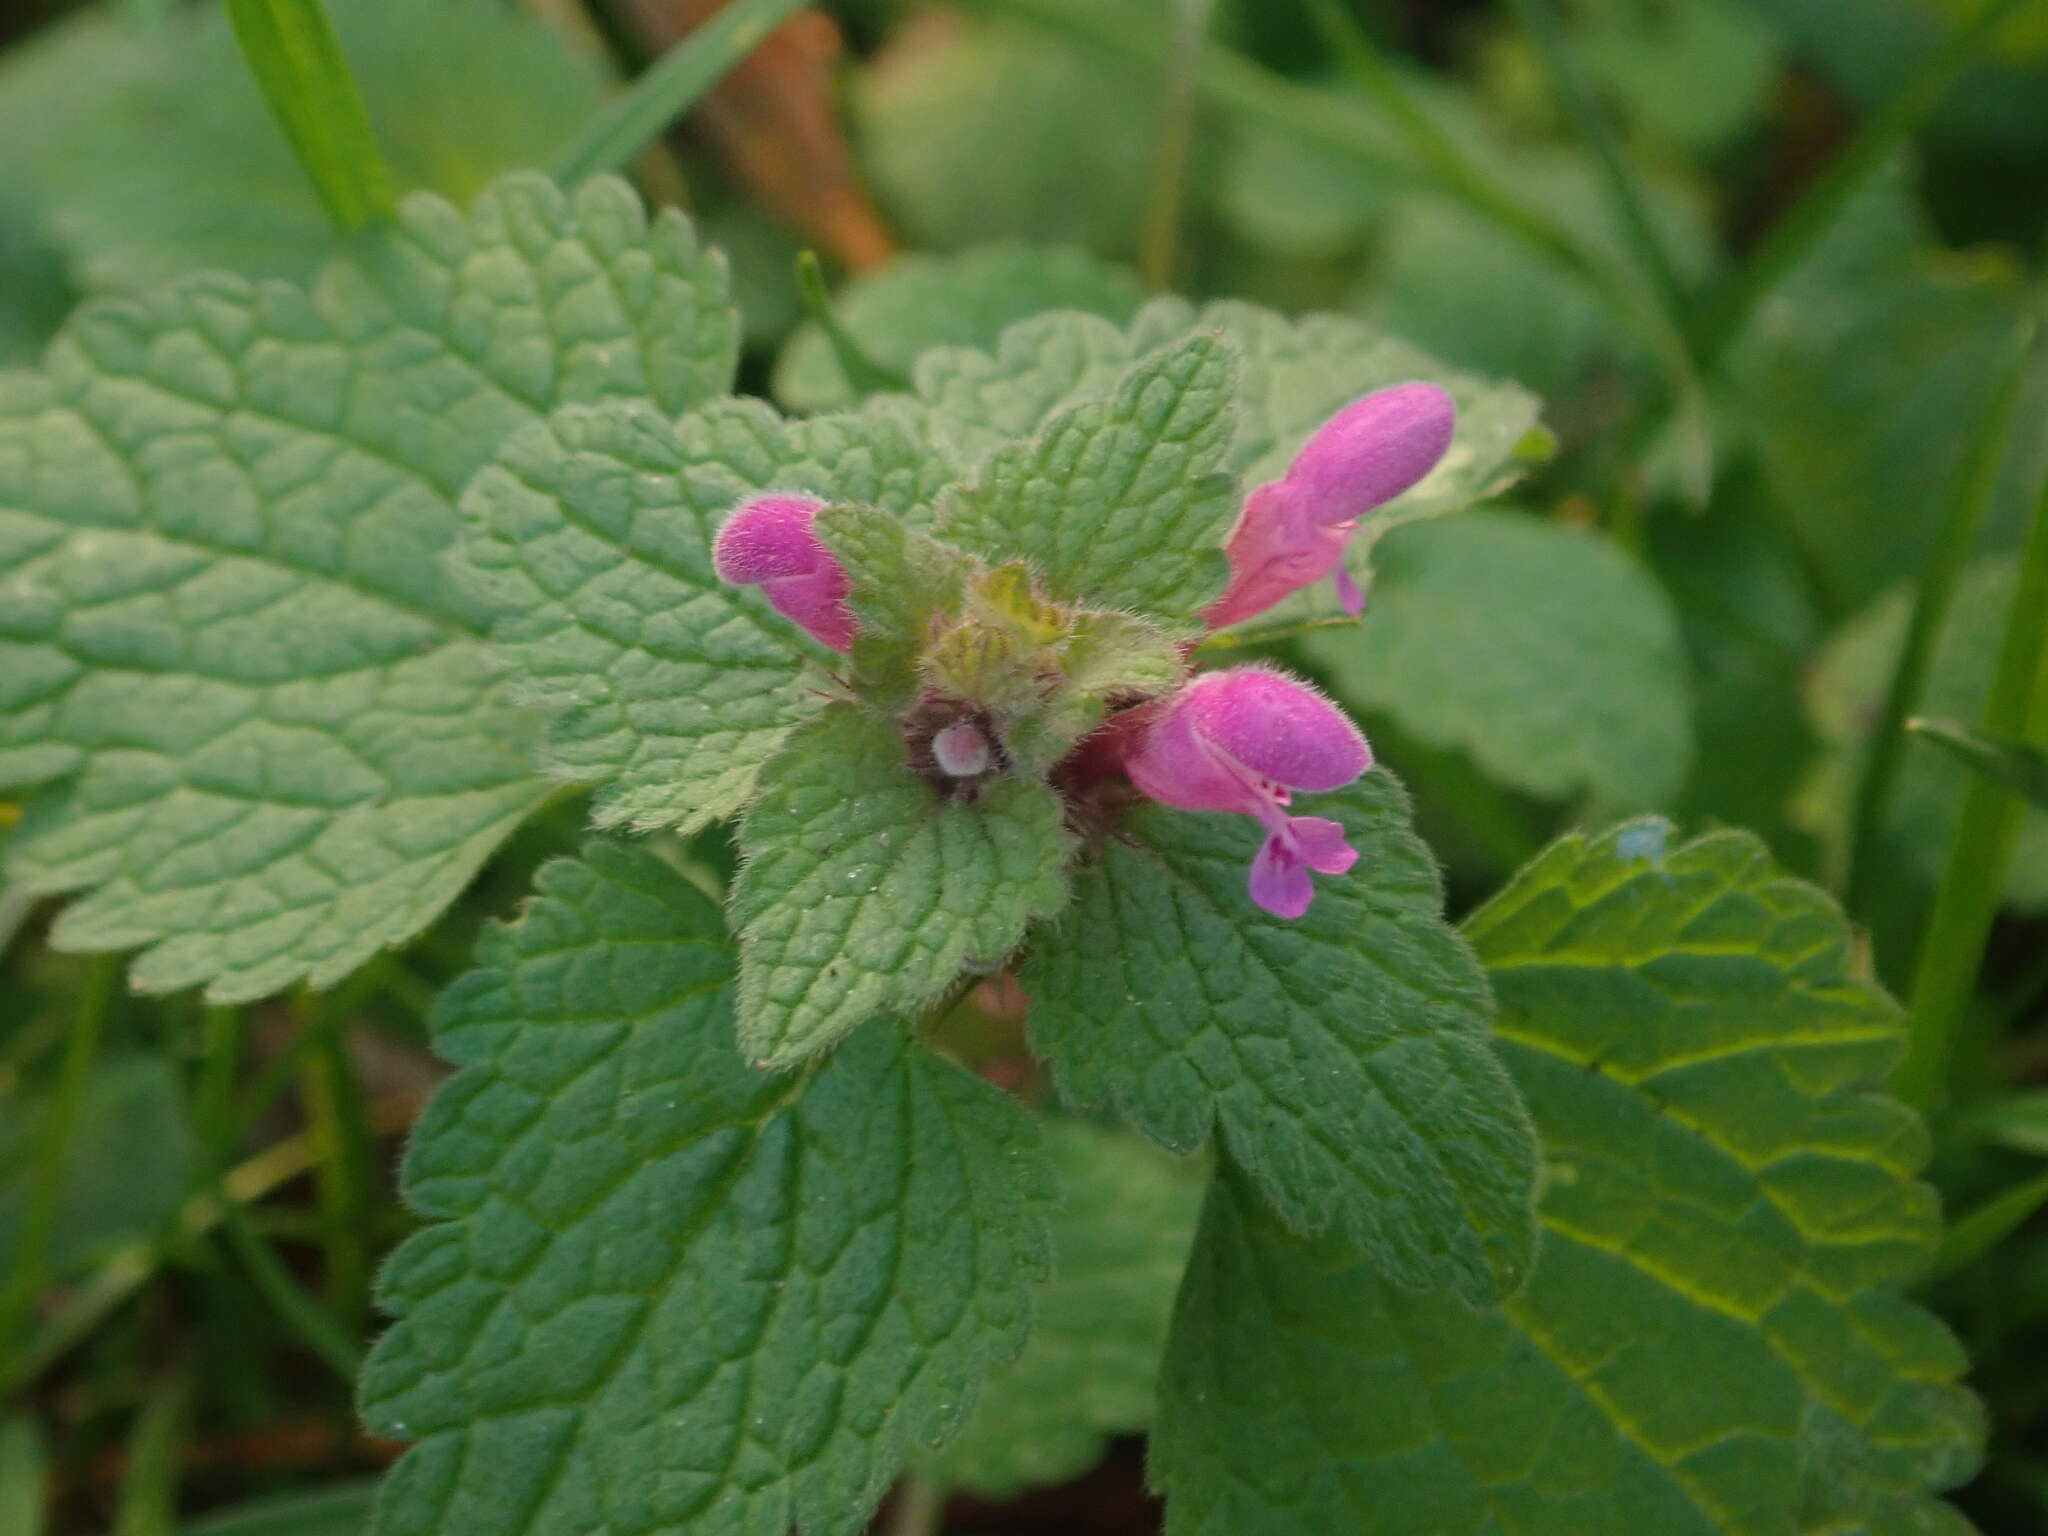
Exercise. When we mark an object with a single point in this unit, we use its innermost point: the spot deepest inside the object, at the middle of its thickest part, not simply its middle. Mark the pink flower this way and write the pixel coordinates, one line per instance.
(768, 543)
(1293, 530)
(1244, 739)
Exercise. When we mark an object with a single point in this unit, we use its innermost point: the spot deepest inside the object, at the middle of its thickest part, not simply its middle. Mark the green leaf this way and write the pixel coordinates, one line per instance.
(965, 299)
(1119, 1243)
(1845, 696)
(665, 1293)
(1713, 1341)
(981, 131)
(127, 1164)
(590, 542)
(1863, 375)
(1292, 375)
(1693, 72)
(2018, 765)
(152, 155)
(223, 620)
(901, 581)
(299, 66)
(865, 892)
(1545, 653)
(1342, 1058)
(1119, 501)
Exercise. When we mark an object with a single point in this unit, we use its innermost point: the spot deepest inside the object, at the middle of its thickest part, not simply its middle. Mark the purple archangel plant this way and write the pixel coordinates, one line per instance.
(1039, 1069)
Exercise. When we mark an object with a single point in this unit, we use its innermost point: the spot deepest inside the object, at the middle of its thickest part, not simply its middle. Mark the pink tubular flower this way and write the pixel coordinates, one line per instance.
(1243, 740)
(1293, 530)
(768, 543)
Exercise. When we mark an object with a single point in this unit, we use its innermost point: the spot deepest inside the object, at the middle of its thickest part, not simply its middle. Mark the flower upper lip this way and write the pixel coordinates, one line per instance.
(1292, 531)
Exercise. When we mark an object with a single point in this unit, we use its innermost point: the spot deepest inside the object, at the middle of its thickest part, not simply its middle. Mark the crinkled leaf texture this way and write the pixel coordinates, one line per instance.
(665, 1293)
(223, 620)
(1343, 1058)
(1713, 1341)
(1119, 1243)
(1543, 651)
(1120, 501)
(589, 540)
(864, 891)
(1292, 375)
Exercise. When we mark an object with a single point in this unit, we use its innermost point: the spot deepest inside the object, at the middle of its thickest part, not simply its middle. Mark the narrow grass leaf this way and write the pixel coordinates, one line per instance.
(299, 66)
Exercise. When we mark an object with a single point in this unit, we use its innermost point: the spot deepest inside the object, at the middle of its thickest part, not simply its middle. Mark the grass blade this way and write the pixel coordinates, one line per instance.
(867, 376)
(1159, 245)
(155, 1453)
(22, 1464)
(1987, 1225)
(1971, 886)
(298, 64)
(2015, 764)
(1943, 569)
(31, 1255)
(669, 89)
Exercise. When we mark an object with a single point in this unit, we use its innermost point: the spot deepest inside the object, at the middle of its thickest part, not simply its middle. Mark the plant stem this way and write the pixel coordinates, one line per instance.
(220, 1046)
(1941, 572)
(867, 376)
(1789, 240)
(1539, 19)
(1974, 880)
(317, 1327)
(1160, 243)
(32, 1250)
(920, 1507)
(336, 1121)
(670, 88)
(298, 64)
(1986, 1225)
(149, 1488)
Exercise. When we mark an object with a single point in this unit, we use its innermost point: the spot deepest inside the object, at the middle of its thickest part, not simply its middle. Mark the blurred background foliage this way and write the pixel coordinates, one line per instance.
(1694, 607)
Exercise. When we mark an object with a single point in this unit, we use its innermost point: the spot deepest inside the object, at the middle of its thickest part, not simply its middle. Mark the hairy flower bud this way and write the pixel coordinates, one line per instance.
(1244, 740)
(769, 543)
(1293, 530)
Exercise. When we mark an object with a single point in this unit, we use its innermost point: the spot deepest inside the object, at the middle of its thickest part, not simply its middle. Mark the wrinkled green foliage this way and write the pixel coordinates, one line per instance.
(1119, 1242)
(864, 892)
(839, 1115)
(1729, 1204)
(739, 1298)
(226, 625)
(1342, 1059)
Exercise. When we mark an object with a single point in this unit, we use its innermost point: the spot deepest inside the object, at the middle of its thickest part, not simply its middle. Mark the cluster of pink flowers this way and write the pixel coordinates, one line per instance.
(1243, 739)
